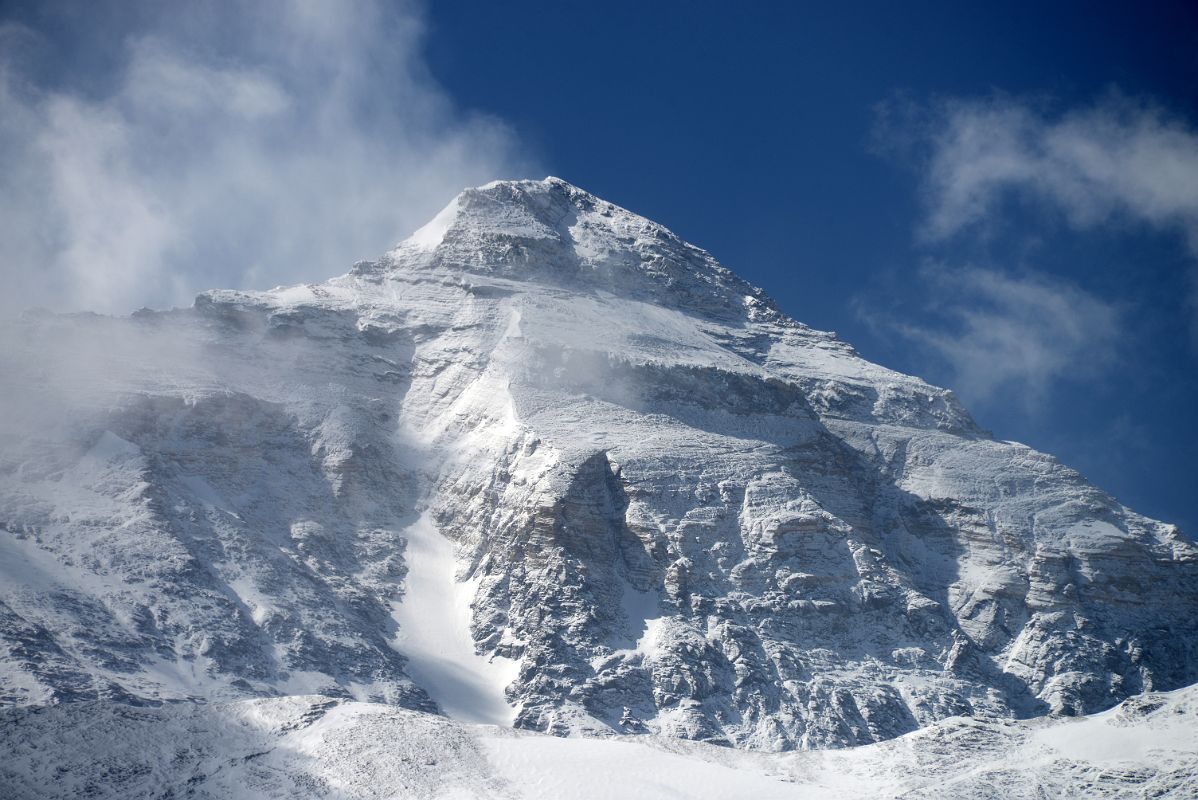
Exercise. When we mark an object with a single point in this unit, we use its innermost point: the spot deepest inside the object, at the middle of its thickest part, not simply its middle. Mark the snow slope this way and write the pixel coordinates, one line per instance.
(312, 747)
(434, 633)
(549, 443)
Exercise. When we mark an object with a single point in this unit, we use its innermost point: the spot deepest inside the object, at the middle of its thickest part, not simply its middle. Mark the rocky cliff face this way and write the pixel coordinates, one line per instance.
(671, 509)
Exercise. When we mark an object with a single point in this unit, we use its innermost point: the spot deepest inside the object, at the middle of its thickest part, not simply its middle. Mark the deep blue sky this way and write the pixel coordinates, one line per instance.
(750, 130)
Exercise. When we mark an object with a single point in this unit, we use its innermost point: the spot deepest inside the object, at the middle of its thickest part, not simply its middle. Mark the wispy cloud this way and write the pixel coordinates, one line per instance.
(233, 144)
(1117, 163)
(1116, 159)
(1011, 337)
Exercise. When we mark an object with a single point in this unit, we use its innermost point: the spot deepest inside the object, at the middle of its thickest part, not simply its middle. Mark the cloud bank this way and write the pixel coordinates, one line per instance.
(227, 145)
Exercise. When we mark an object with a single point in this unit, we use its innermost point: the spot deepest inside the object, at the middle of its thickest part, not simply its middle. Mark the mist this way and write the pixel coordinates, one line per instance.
(149, 152)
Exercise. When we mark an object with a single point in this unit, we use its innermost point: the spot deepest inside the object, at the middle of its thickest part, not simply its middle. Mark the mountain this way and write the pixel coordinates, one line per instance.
(545, 464)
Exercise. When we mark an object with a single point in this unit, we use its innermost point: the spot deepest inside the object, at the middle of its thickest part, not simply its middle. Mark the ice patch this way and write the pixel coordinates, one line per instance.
(643, 611)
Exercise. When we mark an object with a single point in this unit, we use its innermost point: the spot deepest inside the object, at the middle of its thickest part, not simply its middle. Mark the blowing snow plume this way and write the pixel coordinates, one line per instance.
(149, 151)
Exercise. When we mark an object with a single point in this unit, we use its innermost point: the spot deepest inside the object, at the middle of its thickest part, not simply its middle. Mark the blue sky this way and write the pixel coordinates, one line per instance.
(1001, 198)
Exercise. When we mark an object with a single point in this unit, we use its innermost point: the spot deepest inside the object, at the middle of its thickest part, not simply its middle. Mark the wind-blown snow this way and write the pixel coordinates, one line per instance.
(428, 236)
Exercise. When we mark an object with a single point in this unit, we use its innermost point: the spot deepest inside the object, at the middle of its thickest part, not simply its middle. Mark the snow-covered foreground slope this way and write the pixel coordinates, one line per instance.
(313, 747)
(546, 462)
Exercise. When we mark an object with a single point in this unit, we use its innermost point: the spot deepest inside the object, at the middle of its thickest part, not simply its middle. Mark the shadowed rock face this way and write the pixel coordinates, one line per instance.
(680, 511)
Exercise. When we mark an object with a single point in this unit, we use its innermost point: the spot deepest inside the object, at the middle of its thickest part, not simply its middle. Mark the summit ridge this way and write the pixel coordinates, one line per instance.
(552, 231)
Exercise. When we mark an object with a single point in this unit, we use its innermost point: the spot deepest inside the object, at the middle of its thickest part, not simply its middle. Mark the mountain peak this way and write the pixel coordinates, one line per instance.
(546, 460)
(550, 231)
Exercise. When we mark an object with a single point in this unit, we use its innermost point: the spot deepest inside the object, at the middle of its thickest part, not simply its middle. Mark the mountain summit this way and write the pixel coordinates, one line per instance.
(546, 464)
(551, 232)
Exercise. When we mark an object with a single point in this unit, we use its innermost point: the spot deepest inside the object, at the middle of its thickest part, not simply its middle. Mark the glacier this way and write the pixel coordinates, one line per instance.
(545, 464)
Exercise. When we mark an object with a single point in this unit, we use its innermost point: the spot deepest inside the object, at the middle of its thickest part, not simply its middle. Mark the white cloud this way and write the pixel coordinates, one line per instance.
(1013, 337)
(237, 144)
(1117, 158)
(1115, 162)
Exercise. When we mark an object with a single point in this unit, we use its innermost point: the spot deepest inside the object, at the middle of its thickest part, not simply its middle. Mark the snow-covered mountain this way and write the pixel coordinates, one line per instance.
(299, 748)
(546, 464)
